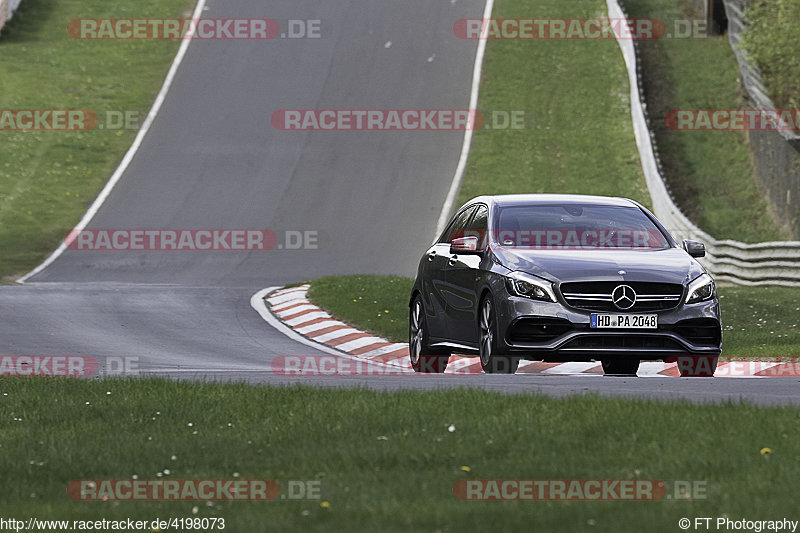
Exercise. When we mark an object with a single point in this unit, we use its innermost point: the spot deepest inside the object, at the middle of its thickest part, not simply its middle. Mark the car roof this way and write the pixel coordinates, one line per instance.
(504, 200)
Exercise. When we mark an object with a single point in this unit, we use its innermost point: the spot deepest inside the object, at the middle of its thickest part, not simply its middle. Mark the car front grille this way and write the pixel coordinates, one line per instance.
(596, 295)
(623, 342)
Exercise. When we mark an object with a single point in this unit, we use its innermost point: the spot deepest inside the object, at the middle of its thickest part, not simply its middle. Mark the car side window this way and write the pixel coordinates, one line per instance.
(457, 226)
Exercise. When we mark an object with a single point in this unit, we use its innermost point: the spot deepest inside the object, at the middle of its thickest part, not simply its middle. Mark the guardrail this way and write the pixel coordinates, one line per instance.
(776, 153)
(751, 75)
(7, 8)
(767, 263)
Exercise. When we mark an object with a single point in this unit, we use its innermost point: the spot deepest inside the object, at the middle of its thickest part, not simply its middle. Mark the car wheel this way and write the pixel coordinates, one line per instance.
(697, 366)
(626, 367)
(491, 360)
(424, 359)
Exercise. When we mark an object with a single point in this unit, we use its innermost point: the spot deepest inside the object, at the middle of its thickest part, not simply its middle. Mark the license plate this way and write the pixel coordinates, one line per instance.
(624, 321)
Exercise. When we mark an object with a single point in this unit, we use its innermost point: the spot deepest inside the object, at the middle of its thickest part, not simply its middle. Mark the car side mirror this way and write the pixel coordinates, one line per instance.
(464, 245)
(694, 248)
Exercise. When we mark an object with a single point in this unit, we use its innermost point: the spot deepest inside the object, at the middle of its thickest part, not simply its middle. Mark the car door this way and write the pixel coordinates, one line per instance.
(434, 284)
(462, 274)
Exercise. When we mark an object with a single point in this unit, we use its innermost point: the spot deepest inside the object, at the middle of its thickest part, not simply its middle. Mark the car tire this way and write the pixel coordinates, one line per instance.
(697, 366)
(424, 359)
(623, 367)
(492, 361)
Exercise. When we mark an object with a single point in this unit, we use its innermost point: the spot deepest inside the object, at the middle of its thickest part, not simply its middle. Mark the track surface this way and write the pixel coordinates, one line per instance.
(212, 160)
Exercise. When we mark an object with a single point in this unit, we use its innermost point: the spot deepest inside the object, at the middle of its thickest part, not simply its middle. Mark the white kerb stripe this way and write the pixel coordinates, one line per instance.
(325, 337)
(576, 367)
(359, 343)
(386, 349)
(295, 310)
(305, 330)
(652, 368)
(280, 307)
(308, 317)
(292, 296)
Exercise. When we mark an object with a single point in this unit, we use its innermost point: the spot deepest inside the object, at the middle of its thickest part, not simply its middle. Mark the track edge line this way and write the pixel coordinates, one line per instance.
(129, 155)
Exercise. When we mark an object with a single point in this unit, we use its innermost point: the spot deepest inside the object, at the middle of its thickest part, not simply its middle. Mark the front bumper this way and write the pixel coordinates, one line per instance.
(557, 332)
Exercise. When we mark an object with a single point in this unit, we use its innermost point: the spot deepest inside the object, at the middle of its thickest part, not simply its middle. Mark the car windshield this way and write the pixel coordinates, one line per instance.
(578, 226)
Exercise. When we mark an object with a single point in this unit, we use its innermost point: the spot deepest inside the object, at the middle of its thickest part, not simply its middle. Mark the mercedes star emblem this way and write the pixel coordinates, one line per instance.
(623, 297)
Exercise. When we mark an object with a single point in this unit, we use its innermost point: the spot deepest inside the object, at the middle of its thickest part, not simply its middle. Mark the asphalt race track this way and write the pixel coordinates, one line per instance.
(212, 160)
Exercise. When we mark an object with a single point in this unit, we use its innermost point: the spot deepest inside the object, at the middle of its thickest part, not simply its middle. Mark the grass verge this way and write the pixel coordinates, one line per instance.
(48, 179)
(377, 304)
(759, 322)
(376, 458)
(579, 137)
(771, 40)
(710, 172)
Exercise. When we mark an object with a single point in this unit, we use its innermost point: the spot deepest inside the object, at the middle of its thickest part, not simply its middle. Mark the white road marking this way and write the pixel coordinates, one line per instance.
(123, 166)
(455, 185)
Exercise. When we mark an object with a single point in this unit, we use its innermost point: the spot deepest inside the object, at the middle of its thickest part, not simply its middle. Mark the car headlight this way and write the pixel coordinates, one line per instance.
(529, 286)
(701, 289)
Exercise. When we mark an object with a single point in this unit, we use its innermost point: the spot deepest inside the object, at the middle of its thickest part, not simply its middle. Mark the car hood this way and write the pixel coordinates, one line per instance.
(671, 265)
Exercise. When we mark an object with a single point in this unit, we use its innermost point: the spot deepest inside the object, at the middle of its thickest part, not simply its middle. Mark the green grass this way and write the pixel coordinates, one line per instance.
(771, 41)
(710, 173)
(759, 322)
(378, 304)
(47, 180)
(387, 462)
(579, 137)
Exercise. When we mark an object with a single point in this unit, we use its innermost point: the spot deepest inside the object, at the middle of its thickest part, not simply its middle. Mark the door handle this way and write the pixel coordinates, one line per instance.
(431, 255)
(453, 260)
